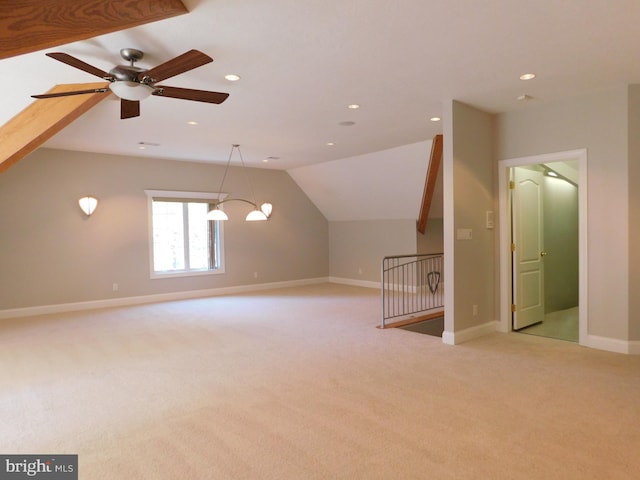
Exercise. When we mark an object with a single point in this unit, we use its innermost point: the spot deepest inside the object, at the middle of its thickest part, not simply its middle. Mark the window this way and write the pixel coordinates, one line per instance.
(183, 241)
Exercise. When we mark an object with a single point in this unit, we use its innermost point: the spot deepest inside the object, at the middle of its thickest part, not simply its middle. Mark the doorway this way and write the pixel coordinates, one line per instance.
(542, 201)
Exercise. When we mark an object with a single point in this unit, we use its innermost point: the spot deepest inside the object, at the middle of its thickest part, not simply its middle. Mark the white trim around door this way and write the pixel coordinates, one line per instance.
(505, 324)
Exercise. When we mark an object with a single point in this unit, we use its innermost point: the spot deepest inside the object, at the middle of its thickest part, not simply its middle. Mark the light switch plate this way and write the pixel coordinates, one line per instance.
(464, 234)
(489, 219)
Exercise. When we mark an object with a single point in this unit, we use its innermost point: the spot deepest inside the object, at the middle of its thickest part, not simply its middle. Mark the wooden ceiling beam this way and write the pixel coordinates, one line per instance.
(32, 25)
(42, 119)
(435, 160)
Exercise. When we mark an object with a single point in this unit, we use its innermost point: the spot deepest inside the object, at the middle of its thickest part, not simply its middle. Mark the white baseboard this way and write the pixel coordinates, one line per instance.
(354, 283)
(455, 338)
(161, 297)
(613, 344)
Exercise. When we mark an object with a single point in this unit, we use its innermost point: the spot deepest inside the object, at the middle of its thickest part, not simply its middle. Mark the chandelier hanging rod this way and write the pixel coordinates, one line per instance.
(235, 200)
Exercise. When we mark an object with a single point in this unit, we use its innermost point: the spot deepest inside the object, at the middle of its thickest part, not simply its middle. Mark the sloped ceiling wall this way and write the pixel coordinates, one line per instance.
(384, 185)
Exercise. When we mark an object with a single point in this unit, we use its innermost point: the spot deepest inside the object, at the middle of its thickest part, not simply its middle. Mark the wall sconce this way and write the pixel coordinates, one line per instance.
(88, 205)
(266, 208)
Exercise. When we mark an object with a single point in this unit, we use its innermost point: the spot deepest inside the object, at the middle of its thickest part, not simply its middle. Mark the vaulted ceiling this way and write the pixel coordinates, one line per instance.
(303, 63)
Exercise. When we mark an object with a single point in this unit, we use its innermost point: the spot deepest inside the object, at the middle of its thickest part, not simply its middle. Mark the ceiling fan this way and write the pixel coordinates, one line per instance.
(132, 84)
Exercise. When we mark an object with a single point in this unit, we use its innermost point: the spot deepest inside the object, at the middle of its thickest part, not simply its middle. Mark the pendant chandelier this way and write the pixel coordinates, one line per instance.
(257, 214)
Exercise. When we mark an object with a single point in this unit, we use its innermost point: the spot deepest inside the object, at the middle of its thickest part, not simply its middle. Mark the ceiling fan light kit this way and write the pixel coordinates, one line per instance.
(131, 90)
(133, 84)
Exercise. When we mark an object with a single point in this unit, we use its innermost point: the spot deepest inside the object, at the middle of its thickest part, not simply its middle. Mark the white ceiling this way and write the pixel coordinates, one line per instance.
(383, 185)
(302, 62)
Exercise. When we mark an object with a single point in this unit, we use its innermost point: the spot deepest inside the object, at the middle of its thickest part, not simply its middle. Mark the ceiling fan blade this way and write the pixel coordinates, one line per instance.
(190, 94)
(79, 64)
(67, 94)
(180, 64)
(129, 108)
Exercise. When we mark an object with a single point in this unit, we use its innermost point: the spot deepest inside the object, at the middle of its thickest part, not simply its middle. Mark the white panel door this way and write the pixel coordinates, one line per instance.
(528, 256)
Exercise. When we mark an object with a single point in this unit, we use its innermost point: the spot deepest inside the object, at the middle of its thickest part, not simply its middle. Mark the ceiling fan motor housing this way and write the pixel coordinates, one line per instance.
(129, 73)
(126, 73)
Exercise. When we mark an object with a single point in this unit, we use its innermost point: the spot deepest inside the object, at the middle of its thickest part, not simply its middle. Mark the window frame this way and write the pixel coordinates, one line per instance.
(180, 196)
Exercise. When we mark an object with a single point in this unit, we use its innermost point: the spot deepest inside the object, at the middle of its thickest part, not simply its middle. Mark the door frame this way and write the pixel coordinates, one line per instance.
(504, 206)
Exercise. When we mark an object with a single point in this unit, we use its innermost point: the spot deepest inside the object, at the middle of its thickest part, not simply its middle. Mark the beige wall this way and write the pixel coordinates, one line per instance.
(469, 191)
(432, 240)
(634, 212)
(599, 123)
(50, 253)
(358, 247)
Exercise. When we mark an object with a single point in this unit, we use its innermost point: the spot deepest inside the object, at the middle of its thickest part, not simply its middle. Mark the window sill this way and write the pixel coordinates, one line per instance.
(179, 274)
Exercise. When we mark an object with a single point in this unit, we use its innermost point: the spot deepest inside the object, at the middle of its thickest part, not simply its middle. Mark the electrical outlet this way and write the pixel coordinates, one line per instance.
(475, 310)
(115, 287)
(255, 274)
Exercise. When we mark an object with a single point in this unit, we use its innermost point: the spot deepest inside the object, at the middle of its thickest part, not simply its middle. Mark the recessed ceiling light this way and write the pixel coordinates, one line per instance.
(353, 106)
(524, 97)
(232, 77)
(330, 144)
(527, 76)
(435, 119)
(266, 160)
(192, 122)
(347, 123)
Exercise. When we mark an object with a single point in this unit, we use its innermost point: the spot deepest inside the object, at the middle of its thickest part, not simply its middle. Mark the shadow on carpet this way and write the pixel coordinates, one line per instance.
(433, 327)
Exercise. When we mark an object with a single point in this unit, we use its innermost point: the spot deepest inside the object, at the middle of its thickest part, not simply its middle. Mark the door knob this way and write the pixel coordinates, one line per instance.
(543, 254)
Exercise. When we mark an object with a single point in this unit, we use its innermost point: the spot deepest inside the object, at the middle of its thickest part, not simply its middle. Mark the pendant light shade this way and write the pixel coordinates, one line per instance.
(255, 216)
(217, 214)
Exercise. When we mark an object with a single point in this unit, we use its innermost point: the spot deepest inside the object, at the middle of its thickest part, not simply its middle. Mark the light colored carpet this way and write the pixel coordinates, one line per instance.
(299, 384)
